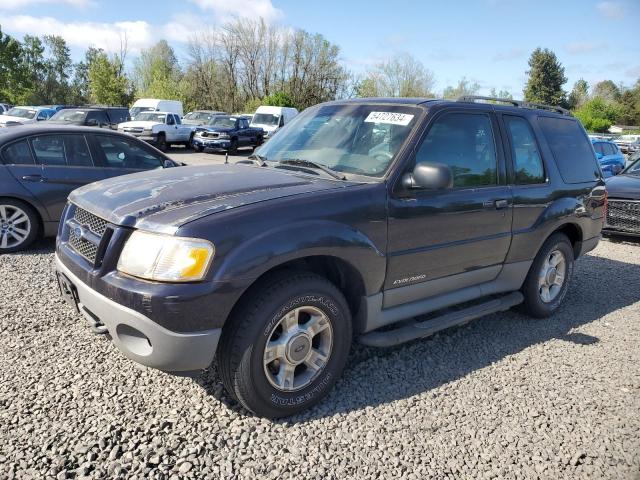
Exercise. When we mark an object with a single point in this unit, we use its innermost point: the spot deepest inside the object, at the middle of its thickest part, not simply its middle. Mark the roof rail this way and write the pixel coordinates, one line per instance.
(515, 103)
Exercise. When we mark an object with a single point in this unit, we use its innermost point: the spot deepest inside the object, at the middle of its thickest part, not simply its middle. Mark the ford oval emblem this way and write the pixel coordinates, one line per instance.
(78, 231)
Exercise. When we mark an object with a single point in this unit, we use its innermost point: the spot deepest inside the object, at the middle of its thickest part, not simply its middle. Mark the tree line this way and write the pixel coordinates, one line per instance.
(245, 63)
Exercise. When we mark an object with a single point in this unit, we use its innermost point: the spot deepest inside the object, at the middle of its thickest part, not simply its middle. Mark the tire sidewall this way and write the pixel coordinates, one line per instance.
(536, 304)
(288, 403)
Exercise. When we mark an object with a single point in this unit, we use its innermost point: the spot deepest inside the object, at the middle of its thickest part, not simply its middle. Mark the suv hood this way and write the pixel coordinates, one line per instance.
(624, 186)
(163, 200)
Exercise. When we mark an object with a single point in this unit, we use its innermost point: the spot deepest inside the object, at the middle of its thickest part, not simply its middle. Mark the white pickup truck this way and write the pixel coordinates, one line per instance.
(160, 128)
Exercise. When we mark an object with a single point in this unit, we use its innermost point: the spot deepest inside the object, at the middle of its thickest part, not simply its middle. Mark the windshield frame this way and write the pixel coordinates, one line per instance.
(627, 169)
(403, 150)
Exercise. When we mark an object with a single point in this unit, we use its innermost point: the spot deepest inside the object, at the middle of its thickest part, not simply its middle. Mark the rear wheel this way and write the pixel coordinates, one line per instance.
(548, 279)
(287, 345)
(18, 225)
(199, 148)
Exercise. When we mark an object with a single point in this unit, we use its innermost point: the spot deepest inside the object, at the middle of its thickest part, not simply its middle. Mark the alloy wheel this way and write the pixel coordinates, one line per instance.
(552, 276)
(298, 348)
(15, 226)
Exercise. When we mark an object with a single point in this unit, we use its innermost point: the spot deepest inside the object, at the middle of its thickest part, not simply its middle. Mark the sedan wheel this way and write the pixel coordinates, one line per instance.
(15, 227)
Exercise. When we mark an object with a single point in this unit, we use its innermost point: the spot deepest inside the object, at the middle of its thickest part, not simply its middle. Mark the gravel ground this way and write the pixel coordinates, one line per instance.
(503, 397)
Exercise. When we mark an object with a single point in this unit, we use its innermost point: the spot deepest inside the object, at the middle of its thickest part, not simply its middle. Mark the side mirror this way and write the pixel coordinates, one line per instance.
(599, 155)
(429, 175)
(168, 164)
(92, 122)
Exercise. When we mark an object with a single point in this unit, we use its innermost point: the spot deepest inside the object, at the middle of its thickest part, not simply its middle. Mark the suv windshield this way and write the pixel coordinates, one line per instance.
(360, 139)
(226, 122)
(69, 115)
(633, 169)
(150, 117)
(265, 119)
(22, 112)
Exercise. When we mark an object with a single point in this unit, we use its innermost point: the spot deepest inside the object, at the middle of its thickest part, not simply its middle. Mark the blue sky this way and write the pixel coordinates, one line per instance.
(487, 41)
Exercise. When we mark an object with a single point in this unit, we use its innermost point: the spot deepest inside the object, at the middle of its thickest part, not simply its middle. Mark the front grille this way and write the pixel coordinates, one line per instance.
(624, 215)
(83, 246)
(210, 134)
(94, 223)
(133, 129)
(86, 232)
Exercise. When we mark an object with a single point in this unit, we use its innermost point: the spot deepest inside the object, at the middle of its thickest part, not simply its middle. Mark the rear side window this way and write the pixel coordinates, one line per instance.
(17, 153)
(599, 148)
(465, 143)
(570, 148)
(62, 150)
(524, 151)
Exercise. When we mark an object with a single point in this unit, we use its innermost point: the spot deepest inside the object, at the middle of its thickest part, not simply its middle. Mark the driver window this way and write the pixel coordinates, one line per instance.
(464, 142)
(124, 153)
(170, 120)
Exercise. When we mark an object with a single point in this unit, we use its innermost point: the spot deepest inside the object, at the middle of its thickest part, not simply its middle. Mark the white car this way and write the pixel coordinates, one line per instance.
(160, 128)
(24, 115)
(155, 105)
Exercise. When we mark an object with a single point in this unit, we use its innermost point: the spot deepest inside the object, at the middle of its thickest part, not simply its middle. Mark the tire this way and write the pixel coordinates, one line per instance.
(189, 143)
(199, 148)
(18, 225)
(295, 304)
(260, 141)
(539, 300)
(161, 143)
(233, 148)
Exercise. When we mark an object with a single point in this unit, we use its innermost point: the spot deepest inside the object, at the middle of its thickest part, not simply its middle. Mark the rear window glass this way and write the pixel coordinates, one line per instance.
(571, 149)
(17, 153)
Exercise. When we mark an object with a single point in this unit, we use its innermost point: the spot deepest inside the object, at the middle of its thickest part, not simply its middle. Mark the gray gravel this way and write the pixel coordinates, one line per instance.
(504, 397)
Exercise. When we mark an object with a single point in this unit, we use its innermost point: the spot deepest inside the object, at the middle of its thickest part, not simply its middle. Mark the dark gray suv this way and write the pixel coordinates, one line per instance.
(40, 165)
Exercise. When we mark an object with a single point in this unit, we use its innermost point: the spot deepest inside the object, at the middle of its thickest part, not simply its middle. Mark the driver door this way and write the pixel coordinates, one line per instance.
(444, 240)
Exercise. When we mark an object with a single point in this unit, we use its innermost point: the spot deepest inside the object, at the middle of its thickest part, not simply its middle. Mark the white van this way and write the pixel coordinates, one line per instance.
(271, 119)
(155, 105)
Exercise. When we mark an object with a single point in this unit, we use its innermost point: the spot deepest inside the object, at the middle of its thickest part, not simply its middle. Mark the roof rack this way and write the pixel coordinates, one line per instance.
(515, 103)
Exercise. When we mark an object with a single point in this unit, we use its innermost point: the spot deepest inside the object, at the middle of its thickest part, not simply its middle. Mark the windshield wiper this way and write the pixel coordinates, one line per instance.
(300, 162)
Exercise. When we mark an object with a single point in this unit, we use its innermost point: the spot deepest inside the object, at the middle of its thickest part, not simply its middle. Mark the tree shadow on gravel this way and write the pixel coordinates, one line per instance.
(375, 376)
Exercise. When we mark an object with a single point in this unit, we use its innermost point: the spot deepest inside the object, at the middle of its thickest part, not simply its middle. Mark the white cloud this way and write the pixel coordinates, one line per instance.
(183, 27)
(17, 4)
(227, 9)
(139, 34)
(577, 48)
(613, 10)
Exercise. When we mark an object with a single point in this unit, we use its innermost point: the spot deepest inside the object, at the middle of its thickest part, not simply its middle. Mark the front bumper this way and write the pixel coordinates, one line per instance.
(140, 338)
(146, 136)
(211, 143)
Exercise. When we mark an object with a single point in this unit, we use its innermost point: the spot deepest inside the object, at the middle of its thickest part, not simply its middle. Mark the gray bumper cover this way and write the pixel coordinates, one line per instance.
(141, 339)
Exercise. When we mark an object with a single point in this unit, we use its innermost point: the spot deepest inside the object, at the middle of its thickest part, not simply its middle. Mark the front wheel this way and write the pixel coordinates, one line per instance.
(233, 148)
(548, 279)
(287, 345)
(161, 143)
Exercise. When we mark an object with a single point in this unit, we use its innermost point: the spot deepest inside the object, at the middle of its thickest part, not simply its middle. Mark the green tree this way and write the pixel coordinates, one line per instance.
(463, 88)
(278, 99)
(607, 90)
(107, 83)
(33, 62)
(58, 68)
(80, 84)
(157, 73)
(14, 77)
(546, 78)
(597, 115)
(579, 94)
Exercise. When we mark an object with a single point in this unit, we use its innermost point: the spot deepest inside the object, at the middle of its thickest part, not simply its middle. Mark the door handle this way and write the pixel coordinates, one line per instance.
(497, 204)
(33, 178)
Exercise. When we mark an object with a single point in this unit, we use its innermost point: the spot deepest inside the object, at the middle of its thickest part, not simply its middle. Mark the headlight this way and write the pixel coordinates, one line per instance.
(165, 258)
